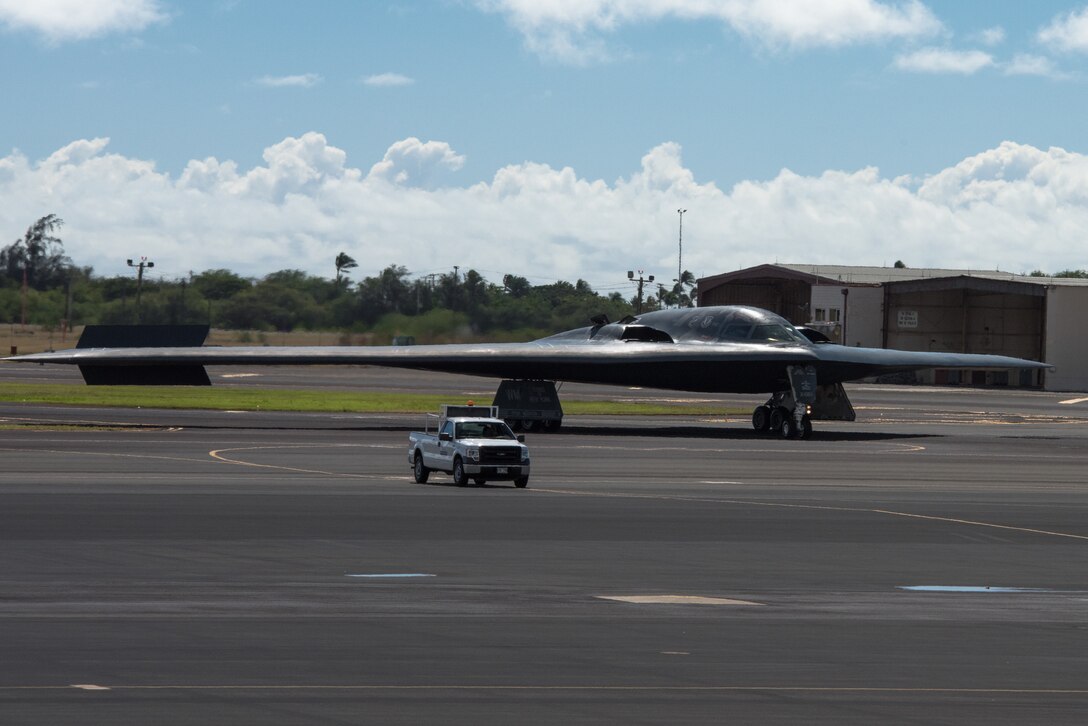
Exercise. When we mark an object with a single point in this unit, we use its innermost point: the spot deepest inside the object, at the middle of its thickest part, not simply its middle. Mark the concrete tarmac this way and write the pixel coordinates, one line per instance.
(927, 564)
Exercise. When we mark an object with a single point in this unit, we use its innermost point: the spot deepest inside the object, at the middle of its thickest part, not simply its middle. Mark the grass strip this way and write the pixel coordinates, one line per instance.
(253, 399)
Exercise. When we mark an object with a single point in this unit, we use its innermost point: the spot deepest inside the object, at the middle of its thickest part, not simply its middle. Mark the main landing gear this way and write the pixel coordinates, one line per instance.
(777, 417)
(790, 413)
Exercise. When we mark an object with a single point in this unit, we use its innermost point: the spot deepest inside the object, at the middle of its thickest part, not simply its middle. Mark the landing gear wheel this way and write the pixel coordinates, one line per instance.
(778, 415)
(806, 428)
(787, 428)
(552, 425)
(529, 425)
(521, 482)
(761, 418)
(419, 471)
(459, 477)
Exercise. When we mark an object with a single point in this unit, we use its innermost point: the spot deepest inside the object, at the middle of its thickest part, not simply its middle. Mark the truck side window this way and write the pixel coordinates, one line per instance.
(447, 428)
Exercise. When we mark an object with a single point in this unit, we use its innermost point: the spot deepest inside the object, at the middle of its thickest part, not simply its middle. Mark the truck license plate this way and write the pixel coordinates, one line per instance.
(501, 470)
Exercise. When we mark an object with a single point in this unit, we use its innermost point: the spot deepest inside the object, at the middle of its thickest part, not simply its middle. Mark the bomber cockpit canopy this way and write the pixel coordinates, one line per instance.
(734, 323)
(730, 323)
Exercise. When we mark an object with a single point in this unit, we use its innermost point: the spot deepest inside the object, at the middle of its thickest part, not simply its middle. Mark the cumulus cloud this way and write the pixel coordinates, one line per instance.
(1015, 207)
(303, 80)
(388, 79)
(412, 162)
(940, 60)
(572, 31)
(60, 20)
(1067, 32)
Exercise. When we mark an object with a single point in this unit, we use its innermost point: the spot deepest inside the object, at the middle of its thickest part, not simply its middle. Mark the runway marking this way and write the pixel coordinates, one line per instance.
(581, 687)
(216, 454)
(824, 507)
(674, 600)
(1073, 400)
(89, 687)
(980, 588)
(394, 574)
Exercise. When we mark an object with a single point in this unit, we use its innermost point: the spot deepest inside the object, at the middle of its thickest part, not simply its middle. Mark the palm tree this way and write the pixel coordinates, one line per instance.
(343, 262)
(680, 296)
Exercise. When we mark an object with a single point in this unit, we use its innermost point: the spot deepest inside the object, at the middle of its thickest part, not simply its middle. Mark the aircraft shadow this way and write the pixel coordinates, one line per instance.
(728, 434)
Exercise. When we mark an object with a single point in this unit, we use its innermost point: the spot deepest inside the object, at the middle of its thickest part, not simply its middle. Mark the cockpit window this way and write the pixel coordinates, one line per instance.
(772, 333)
(736, 331)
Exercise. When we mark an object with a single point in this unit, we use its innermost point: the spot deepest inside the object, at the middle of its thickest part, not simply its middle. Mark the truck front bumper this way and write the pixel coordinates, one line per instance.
(494, 472)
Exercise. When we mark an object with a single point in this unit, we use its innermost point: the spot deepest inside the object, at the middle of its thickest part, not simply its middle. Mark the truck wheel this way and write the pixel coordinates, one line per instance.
(421, 472)
(459, 477)
(521, 482)
(479, 482)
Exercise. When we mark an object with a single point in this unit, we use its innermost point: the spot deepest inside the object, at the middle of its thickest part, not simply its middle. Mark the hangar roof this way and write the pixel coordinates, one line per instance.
(861, 275)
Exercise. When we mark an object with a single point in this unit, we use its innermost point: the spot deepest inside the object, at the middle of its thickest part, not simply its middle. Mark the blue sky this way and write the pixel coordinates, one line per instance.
(547, 138)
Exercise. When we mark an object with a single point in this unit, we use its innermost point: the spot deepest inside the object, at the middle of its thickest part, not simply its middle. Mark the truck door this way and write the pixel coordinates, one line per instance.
(443, 454)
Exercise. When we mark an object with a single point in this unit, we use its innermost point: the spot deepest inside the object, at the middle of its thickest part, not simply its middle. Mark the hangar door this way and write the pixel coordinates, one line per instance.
(968, 315)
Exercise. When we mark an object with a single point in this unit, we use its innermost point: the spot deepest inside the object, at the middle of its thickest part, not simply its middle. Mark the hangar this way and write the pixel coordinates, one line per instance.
(963, 311)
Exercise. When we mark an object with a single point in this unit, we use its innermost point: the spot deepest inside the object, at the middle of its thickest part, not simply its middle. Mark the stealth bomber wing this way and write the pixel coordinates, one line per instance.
(728, 349)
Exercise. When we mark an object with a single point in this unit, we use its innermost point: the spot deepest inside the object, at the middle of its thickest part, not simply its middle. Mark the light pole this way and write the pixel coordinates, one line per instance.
(680, 255)
(144, 262)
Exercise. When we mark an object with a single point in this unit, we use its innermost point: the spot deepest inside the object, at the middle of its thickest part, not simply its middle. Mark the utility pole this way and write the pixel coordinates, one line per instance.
(680, 254)
(641, 281)
(23, 295)
(144, 262)
(845, 293)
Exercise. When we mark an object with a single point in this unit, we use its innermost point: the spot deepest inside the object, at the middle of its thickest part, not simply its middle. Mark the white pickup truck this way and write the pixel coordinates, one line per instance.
(469, 442)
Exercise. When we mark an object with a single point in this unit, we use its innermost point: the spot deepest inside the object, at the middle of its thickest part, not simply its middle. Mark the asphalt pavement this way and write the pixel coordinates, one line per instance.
(927, 564)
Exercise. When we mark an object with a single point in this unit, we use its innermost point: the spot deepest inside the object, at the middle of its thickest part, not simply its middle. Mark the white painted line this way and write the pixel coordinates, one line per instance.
(1074, 400)
(674, 600)
(89, 687)
(975, 588)
(239, 375)
(394, 574)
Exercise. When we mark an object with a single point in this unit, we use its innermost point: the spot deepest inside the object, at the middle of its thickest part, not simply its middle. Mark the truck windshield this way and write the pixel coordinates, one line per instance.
(484, 430)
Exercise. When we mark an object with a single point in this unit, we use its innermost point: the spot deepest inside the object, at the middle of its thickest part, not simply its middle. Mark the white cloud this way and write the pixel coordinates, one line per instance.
(1015, 207)
(412, 162)
(388, 79)
(303, 80)
(1067, 32)
(1024, 64)
(991, 36)
(571, 30)
(60, 20)
(939, 60)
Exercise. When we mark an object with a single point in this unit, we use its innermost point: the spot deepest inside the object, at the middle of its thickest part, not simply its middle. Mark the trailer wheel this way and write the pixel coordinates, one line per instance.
(421, 472)
(459, 477)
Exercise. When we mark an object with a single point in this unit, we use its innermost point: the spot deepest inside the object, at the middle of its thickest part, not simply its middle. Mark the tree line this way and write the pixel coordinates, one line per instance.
(41, 285)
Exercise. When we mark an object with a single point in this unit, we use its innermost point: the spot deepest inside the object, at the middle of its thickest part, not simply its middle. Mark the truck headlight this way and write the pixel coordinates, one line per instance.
(524, 455)
(473, 454)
